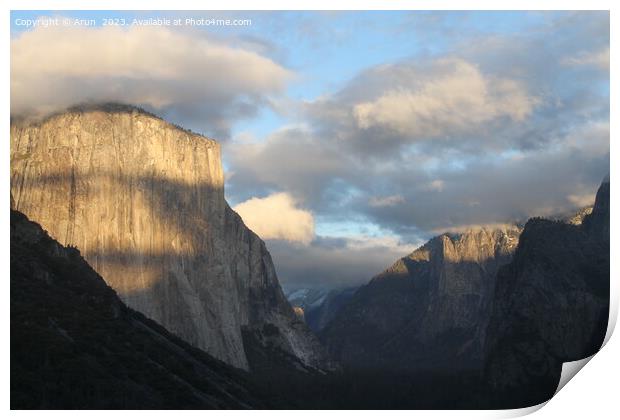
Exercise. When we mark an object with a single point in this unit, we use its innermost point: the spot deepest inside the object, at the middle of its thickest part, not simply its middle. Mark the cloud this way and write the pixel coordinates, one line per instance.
(445, 96)
(490, 129)
(388, 201)
(435, 185)
(494, 130)
(499, 188)
(582, 200)
(197, 81)
(598, 59)
(335, 262)
(277, 217)
(430, 103)
(482, 91)
(290, 159)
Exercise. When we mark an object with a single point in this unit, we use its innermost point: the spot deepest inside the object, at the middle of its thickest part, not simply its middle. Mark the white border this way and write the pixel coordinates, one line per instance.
(593, 394)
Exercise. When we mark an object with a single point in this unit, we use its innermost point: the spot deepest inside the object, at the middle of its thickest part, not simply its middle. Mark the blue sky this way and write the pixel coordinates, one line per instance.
(383, 127)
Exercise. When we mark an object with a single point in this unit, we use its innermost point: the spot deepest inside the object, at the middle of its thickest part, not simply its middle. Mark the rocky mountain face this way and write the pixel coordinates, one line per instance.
(579, 217)
(551, 305)
(75, 345)
(144, 202)
(429, 310)
(319, 307)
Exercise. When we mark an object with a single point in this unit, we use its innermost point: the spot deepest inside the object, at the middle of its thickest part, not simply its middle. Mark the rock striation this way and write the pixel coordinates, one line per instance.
(144, 202)
(428, 311)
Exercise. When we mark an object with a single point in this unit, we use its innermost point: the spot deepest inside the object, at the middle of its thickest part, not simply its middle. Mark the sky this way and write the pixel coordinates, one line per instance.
(351, 138)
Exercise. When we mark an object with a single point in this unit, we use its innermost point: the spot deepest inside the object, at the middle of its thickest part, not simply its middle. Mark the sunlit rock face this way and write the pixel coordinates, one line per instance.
(578, 218)
(428, 311)
(299, 312)
(144, 202)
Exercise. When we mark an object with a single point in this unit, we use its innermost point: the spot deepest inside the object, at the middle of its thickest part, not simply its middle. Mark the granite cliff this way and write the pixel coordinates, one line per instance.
(144, 202)
(428, 311)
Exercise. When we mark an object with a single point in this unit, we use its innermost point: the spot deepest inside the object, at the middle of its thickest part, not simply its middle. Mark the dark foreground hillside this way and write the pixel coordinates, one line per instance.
(551, 306)
(74, 344)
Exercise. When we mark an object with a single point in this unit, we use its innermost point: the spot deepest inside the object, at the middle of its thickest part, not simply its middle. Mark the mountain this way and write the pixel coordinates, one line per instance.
(144, 202)
(306, 297)
(319, 307)
(580, 216)
(551, 305)
(429, 311)
(75, 345)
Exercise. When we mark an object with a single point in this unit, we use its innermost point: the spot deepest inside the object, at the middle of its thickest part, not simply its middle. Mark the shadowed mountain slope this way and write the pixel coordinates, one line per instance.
(551, 305)
(74, 344)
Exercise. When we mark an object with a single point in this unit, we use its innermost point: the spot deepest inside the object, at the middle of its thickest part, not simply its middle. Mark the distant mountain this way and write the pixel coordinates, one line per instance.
(429, 311)
(144, 202)
(75, 345)
(319, 306)
(305, 298)
(551, 305)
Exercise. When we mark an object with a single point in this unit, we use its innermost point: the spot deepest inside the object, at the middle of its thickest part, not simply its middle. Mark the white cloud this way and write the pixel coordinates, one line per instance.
(290, 159)
(277, 217)
(436, 185)
(598, 59)
(185, 73)
(334, 262)
(390, 244)
(446, 97)
(582, 200)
